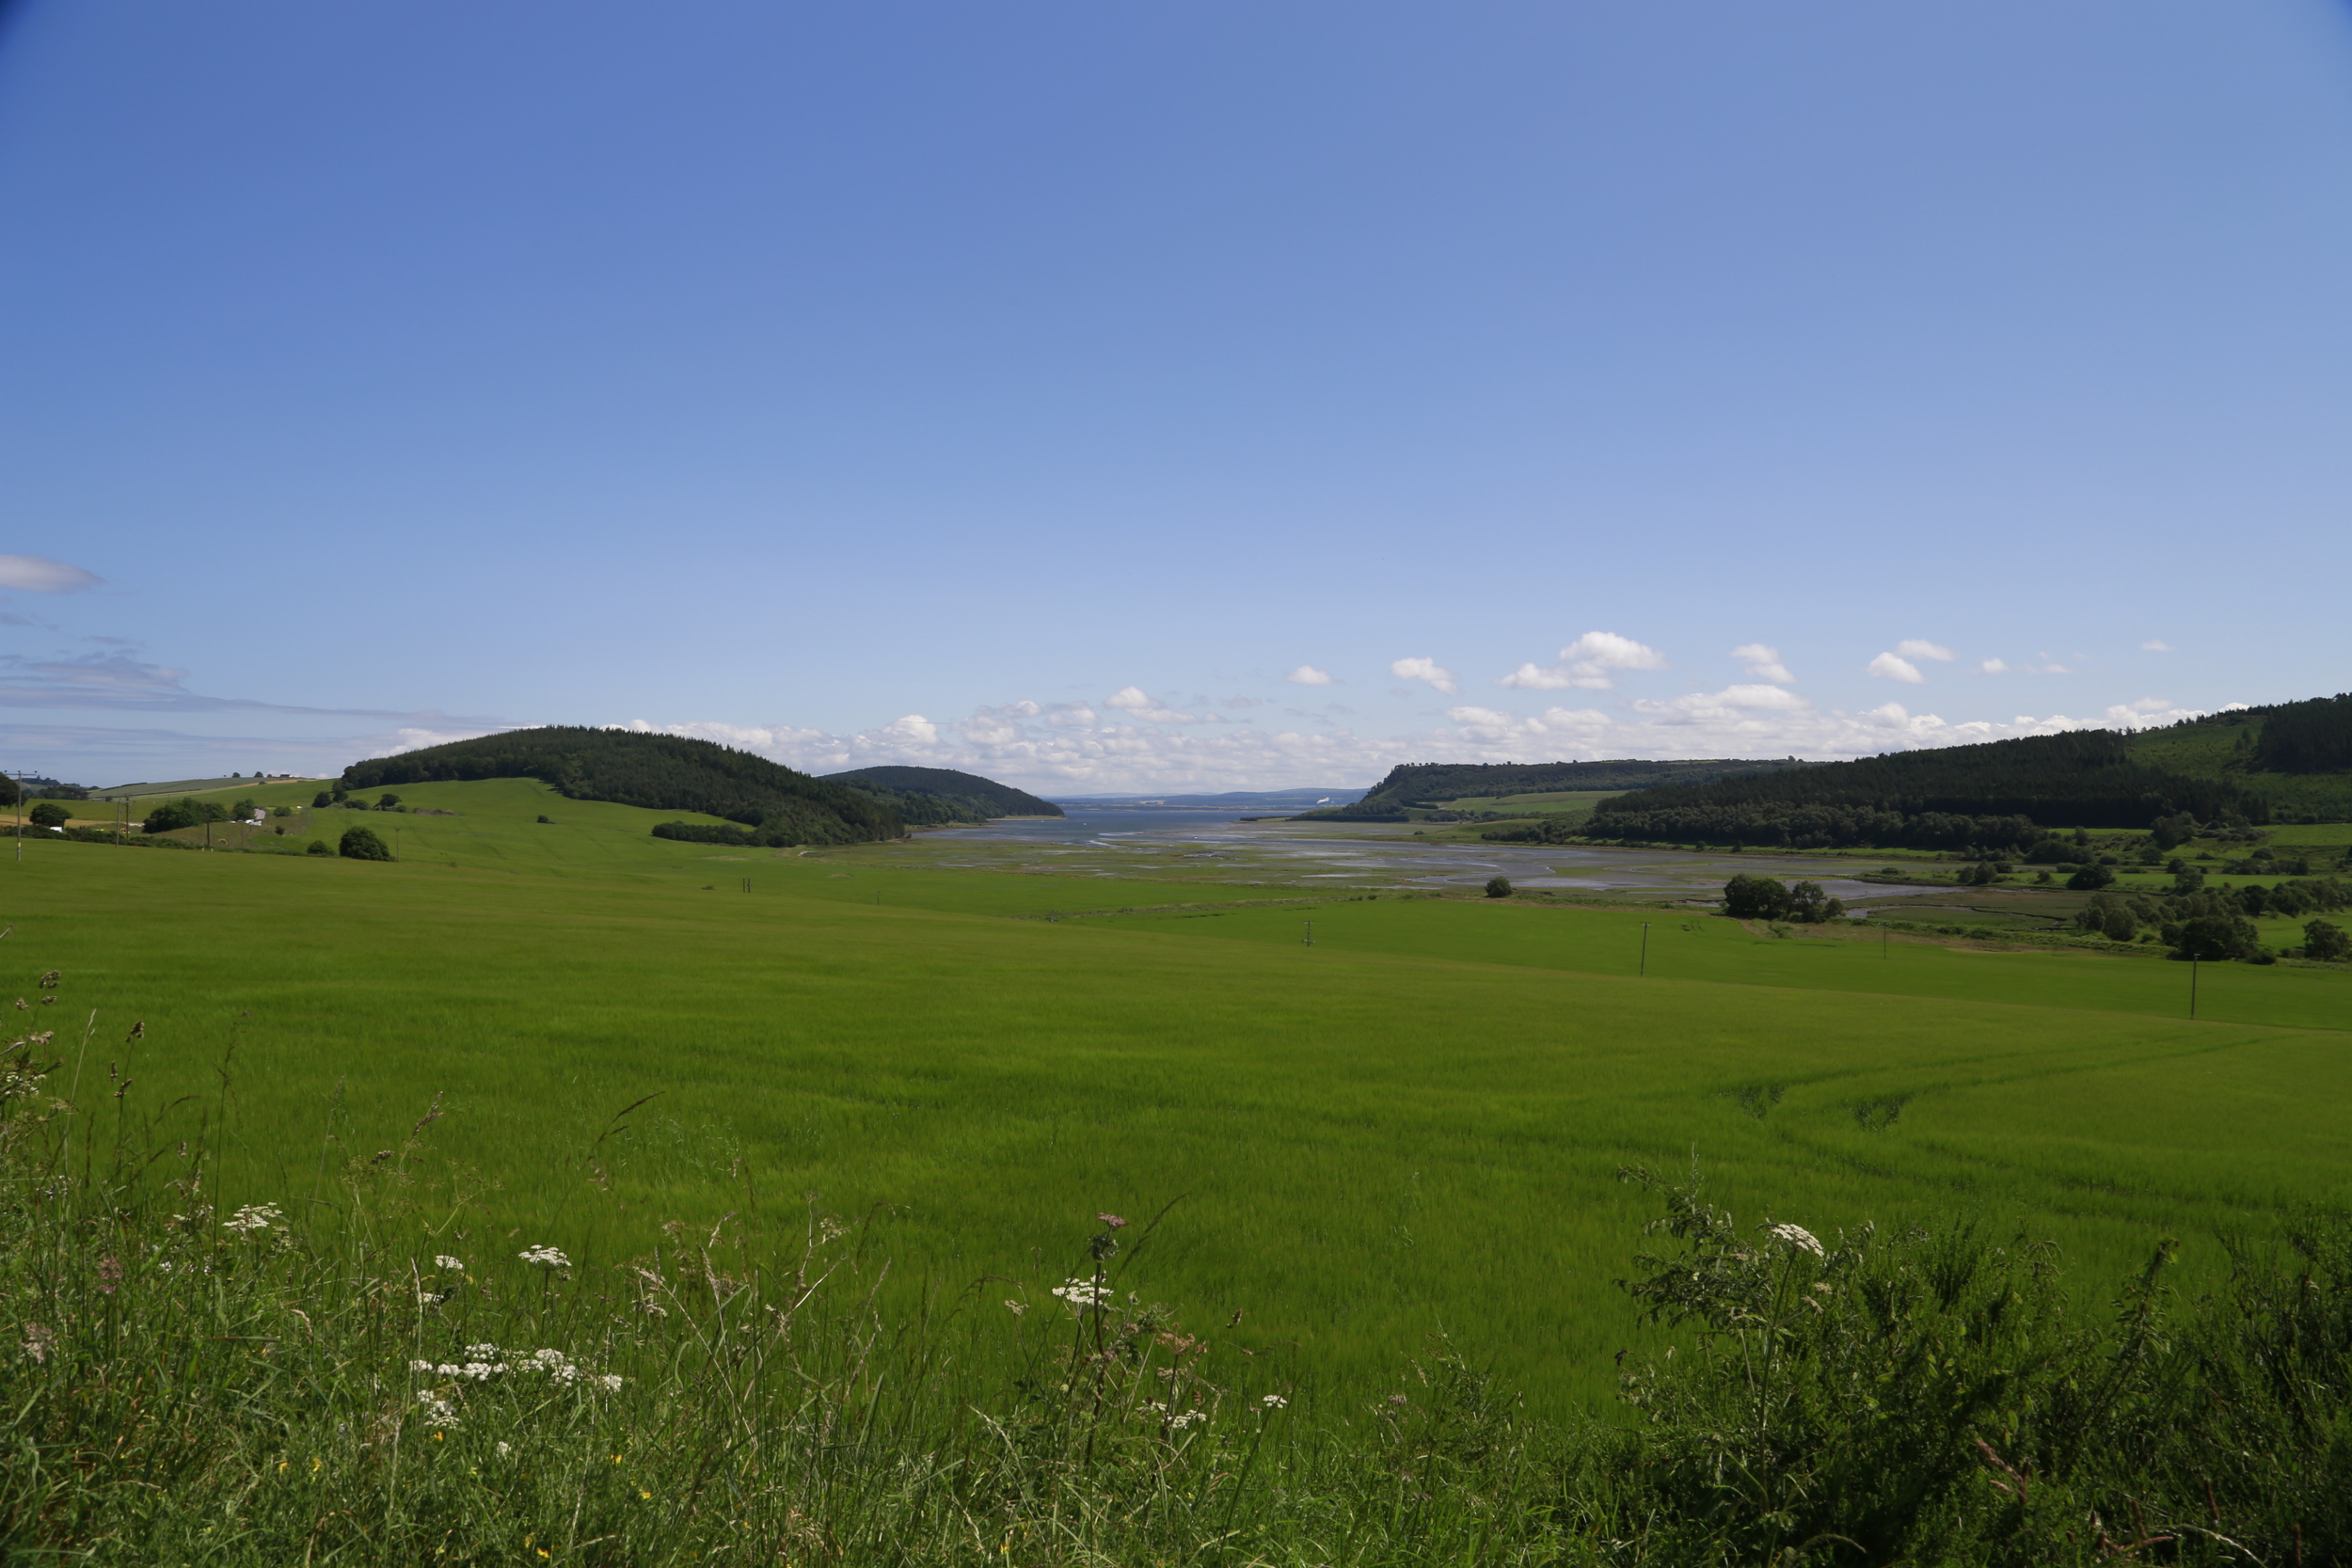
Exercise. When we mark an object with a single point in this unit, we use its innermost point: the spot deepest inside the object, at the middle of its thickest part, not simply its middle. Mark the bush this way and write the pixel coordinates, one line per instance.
(48, 814)
(186, 812)
(1747, 897)
(1498, 887)
(2216, 937)
(360, 844)
(386, 802)
(281, 811)
(2326, 942)
(244, 810)
(550, 821)
(2091, 879)
(318, 846)
(322, 801)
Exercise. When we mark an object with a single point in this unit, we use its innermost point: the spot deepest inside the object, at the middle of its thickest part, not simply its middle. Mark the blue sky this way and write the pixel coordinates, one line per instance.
(1233, 395)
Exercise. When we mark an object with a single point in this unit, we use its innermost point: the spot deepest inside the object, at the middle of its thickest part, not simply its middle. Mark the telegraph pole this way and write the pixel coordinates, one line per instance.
(2192, 984)
(1644, 973)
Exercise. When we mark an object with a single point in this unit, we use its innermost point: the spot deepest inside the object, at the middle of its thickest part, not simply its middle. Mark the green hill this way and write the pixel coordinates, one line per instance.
(664, 772)
(984, 797)
(1440, 784)
(2297, 756)
(2000, 793)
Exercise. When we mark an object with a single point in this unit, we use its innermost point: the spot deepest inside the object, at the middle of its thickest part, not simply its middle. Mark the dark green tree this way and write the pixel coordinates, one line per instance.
(48, 814)
(318, 846)
(2216, 937)
(2119, 924)
(323, 799)
(1498, 887)
(360, 844)
(2091, 879)
(2326, 942)
(386, 800)
(1747, 897)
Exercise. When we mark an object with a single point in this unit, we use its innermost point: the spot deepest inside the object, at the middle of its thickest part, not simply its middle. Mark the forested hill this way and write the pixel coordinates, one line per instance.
(1431, 783)
(984, 797)
(664, 772)
(2001, 793)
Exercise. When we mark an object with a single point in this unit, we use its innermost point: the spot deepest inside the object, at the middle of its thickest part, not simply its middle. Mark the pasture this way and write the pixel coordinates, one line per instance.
(1410, 1127)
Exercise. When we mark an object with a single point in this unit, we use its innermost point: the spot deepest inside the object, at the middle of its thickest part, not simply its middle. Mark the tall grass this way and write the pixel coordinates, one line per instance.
(386, 1372)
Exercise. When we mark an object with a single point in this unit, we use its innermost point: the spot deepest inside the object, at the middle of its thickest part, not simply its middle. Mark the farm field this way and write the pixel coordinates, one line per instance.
(1410, 1127)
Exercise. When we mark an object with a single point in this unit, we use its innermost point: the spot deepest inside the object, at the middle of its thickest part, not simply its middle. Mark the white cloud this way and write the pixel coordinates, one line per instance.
(1586, 663)
(38, 574)
(1068, 747)
(1896, 669)
(1764, 663)
(1132, 701)
(1425, 669)
(2156, 645)
(1996, 667)
(1912, 647)
(1307, 674)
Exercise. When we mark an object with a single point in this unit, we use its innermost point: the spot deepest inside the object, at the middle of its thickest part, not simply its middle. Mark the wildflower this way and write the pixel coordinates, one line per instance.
(419, 1366)
(109, 1274)
(39, 1341)
(1799, 1237)
(252, 1217)
(610, 1383)
(443, 1261)
(1184, 1419)
(1015, 1307)
(1082, 1294)
(1111, 1220)
(439, 1412)
(481, 1353)
(545, 1258)
(505, 1449)
(1274, 1402)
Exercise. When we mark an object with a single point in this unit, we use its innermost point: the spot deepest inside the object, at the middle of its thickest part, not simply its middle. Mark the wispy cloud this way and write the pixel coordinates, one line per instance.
(1427, 670)
(2156, 645)
(1764, 663)
(116, 682)
(1914, 647)
(1589, 663)
(38, 574)
(1895, 668)
(1307, 674)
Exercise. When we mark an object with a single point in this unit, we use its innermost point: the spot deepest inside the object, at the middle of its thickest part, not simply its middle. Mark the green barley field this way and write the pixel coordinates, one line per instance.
(1410, 1127)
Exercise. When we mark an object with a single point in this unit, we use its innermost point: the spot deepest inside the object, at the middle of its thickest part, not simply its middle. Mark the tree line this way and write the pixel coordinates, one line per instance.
(1999, 794)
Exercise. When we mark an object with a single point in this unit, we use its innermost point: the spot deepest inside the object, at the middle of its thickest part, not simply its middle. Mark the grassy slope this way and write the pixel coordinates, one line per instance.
(1409, 1126)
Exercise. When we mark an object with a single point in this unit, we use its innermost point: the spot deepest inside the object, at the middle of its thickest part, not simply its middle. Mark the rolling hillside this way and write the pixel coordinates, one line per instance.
(951, 790)
(662, 773)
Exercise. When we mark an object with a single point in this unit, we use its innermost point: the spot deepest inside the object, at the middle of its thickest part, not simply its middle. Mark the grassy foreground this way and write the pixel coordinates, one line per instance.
(1411, 1128)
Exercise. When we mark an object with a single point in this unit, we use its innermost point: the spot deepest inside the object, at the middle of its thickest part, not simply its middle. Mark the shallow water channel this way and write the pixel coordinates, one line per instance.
(1203, 843)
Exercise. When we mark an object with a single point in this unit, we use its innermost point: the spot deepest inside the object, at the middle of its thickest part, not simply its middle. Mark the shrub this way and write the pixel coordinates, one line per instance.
(186, 812)
(550, 821)
(2091, 879)
(244, 810)
(282, 811)
(322, 801)
(2325, 941)
(360, 844)
(1747, 897)
(1498, 887)
(318, 846)
(48, 814)
(386, 800)
(2216, 937)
